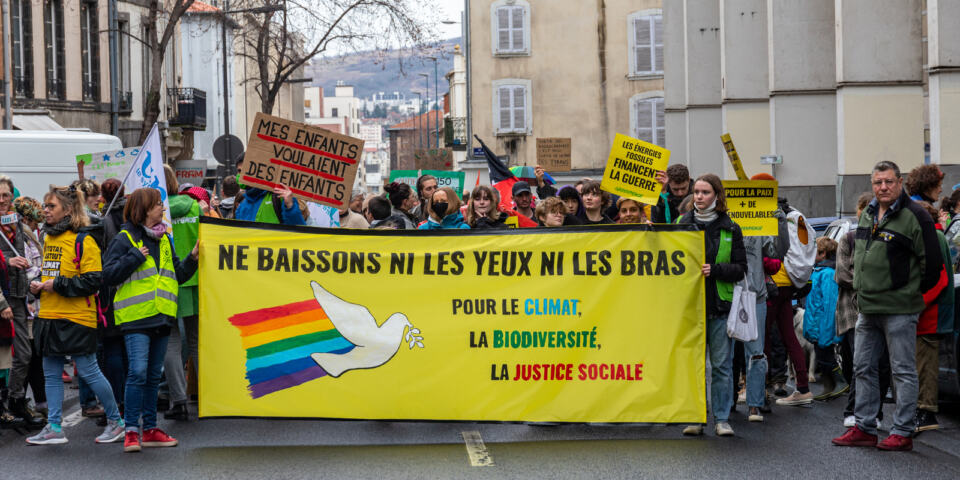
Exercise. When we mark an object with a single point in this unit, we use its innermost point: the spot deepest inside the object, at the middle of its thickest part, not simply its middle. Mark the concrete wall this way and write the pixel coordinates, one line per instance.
(804, 130)
(801, 45)
(577, 67)
(878, 41)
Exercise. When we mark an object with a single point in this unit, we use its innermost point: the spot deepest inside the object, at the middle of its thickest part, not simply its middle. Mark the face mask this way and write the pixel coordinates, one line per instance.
(239, 183)
(439, 208)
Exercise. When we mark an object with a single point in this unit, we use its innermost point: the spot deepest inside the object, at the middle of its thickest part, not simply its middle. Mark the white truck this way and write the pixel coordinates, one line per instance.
(36, 159)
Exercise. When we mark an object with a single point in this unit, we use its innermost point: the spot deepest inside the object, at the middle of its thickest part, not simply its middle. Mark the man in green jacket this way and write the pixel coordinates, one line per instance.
(896, 259)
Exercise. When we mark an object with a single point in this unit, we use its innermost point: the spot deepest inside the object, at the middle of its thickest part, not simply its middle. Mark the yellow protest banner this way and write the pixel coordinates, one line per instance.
(733, 156)
(753, 205)
(564, 324)
(632, 168)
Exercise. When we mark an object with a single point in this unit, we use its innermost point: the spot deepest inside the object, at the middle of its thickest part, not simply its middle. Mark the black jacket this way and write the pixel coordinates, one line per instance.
(659, 211)
(112, 223)
(485, 223)
(728, 272)
(122, 259)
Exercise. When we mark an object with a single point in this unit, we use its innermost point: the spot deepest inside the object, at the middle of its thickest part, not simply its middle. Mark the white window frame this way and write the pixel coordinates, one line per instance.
(527, 106)
(652, 16)
(655, 97)
(495, 28)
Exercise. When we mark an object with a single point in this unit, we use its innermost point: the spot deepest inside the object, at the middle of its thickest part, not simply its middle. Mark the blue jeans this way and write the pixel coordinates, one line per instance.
(756, 361)
(89, 371)
(899, 333)
(145, 356)
(719, 346)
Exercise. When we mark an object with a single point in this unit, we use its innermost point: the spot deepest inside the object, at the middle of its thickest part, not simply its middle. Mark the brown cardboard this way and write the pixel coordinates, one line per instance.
(553, 154)
(433, 159)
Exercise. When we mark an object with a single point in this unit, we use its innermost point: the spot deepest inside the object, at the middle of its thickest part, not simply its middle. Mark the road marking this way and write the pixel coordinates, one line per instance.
(476, 450)
(73, 419)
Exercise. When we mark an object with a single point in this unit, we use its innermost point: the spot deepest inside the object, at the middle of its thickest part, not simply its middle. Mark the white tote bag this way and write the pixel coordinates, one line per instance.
(742, 321)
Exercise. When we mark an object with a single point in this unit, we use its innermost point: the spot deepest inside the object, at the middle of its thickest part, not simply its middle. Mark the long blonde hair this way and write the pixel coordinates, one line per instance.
(73, 202)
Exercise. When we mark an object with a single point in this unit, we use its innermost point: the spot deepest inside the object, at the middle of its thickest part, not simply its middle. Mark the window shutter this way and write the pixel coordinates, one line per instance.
(61, 50)
(16, 21)
(48, 39)
(519, 109)
(503, 29)
(517, 32)
(26, 14)
(660, 126)
(642, 44)
(644, 120)
(658, 43)
(503, 95)
(95, 51)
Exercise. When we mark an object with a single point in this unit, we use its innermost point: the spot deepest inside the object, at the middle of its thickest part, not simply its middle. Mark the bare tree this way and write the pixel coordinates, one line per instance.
(281, 43)
(172, 10)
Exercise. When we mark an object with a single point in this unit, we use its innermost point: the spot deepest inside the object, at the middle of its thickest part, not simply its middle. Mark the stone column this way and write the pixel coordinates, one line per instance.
(744, 88)
(803, 118)
(674, 81)
(879, 88)
(943, 64)
(701, 28)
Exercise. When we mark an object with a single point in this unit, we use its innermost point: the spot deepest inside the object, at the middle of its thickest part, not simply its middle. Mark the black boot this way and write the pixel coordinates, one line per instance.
(177, 412)
(18, 407)
(8, 421)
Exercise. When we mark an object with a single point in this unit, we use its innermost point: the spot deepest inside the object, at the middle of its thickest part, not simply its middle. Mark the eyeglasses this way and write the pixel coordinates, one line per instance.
(887, 181)
(49, 206)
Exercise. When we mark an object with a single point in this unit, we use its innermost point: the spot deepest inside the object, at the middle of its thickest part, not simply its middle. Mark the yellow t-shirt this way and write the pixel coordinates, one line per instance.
(59, 253)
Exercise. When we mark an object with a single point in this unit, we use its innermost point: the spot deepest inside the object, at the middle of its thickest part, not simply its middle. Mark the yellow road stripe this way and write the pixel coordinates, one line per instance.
(476, 450)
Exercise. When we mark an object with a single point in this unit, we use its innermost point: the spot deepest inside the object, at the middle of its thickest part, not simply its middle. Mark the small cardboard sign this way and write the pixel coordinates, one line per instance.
(553, 154)
(316, 164)
(101, 166)
(9, 219)
(433, 159)
(190, 171)
(632, 169)
(453, 180)
(753, 205)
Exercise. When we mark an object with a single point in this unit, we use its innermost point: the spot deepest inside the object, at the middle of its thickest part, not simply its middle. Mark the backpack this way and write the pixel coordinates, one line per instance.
(78, 256)
(800, 257)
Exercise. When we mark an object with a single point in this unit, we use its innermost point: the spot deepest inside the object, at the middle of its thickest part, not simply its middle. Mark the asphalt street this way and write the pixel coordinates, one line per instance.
(793, 442)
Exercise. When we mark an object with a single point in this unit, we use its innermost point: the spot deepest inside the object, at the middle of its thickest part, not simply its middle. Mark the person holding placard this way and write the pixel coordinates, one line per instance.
(255, 205)
(595, 201)
(726, 264)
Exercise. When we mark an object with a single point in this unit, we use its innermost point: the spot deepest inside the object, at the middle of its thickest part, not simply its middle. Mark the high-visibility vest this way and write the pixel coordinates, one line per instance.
(149, 290)
(725, 289)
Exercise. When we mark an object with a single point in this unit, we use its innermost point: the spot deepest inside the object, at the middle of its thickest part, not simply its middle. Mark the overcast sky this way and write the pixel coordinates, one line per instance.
(450, 10)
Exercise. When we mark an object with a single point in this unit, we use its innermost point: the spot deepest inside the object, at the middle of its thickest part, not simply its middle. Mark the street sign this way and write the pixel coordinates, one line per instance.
(478, 152)
(220, 148)
(771, 159)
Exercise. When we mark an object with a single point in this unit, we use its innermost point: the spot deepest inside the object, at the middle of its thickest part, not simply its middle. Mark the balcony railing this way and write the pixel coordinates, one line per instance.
(187, 108)
(91, 91)
(126, 102)
(23, 86)
(455, 132)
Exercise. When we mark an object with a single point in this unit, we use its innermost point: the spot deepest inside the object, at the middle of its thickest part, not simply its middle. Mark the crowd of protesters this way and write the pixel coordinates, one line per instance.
(93, 283)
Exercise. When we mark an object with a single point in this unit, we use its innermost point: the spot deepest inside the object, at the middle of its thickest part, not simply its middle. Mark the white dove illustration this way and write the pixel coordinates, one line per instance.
(375, 344)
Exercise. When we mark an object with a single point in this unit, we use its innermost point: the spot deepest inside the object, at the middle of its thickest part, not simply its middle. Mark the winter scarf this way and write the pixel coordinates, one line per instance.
(57, 228)
(706, 215)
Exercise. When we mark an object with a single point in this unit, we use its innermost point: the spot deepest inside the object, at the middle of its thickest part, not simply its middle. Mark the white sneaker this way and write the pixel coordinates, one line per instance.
(849, 421)
(693, 430)
(723, 429)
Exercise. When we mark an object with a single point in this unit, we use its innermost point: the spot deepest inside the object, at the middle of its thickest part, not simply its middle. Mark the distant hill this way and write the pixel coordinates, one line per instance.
(371, 72)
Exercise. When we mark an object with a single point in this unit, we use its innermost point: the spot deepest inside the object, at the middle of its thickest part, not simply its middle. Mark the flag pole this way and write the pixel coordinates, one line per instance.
(125, 177)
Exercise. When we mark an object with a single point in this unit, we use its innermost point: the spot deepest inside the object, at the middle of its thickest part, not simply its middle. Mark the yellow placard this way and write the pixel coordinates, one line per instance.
(733, 156)
(753, 205)
(632, 168)
(443, 325)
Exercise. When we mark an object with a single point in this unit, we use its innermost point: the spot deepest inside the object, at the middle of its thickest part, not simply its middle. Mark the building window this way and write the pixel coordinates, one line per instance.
(511, 107)
(22, 29)
(645, 33)
(146, 64)
(89, 50)
(123, 53)
(55, 49)
(510, 27)
(646, 118)
(334, 112)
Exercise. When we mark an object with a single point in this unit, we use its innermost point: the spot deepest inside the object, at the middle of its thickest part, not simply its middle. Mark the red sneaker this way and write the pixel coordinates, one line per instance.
(131, 442)
(856, 438)
(156, 438)
(896, 443)
(66, 378)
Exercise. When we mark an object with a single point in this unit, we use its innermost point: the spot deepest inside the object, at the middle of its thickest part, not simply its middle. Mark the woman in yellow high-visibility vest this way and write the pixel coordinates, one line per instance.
(142, 262)
(66, 324)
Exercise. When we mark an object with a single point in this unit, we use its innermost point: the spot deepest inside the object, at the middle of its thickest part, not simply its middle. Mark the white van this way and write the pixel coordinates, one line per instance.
(35, 159)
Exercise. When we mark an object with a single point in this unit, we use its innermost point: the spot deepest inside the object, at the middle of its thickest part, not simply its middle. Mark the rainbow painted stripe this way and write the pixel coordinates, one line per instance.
(279, 341)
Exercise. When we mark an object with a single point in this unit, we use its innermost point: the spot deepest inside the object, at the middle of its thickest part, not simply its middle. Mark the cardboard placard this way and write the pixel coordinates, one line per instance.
(632, 169)
(553, 154)
(753, 205)
(433, 159)
(316, 164)
(190, 171)
(101, 166)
